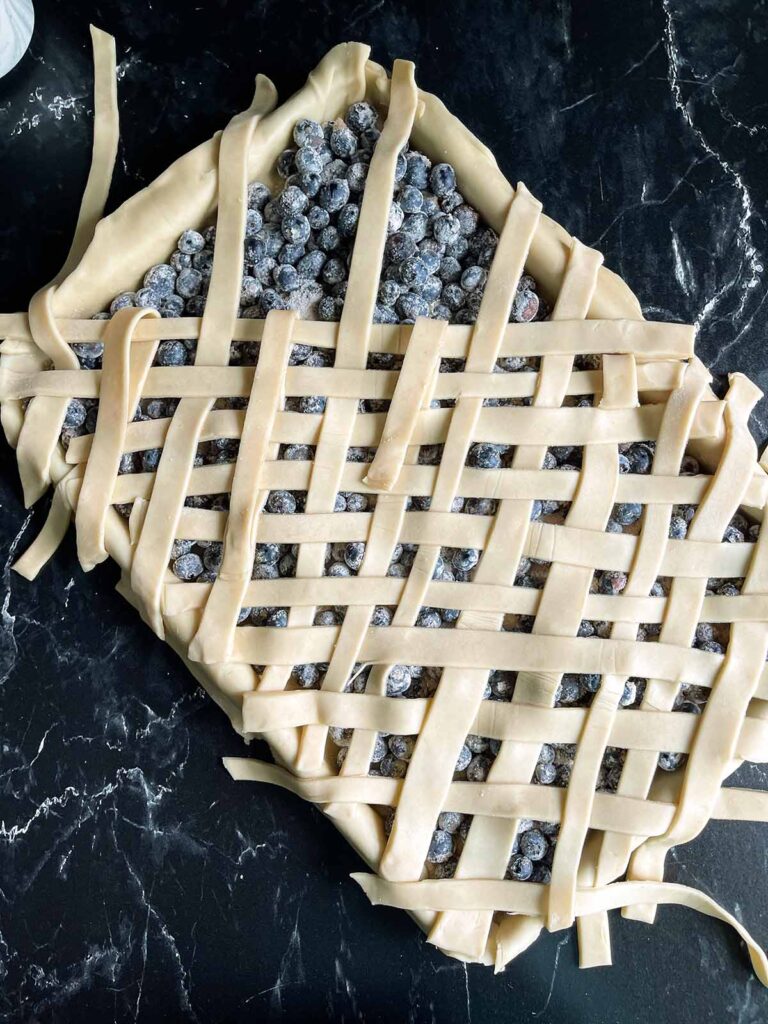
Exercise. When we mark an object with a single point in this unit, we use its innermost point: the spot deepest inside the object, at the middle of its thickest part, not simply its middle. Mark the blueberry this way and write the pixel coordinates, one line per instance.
(445, 227)
(161, 279)
(189, 283)
(309, 183)
(400, 167)
(384, 315)
(670, 762)
(453, 296)
(392, 768)
(629, 694)
(308, 161)
(76, 414)
(449, 270)
(171, 353)
(396, 218)
(308, 133)
(442, 179)
(628, 513)
(347, 219)
(399, 247)
(195, 306)
(148, 298)
(381, 616)
(409, 306)
(398, 680)
(417, 169)
(250, 290)
(389, 292)
(172, 306)
(190, 242)
(678, 528)
(262, 271)
(545, 774)
(356, 176)
(203, 261)
(464, 758)
(307, 676)
(484, 456)
(465, 559)
(334, 271)
(440, 848)
(156, 409)
(402, 746)
(258, 196)
(291, 200)
(285, 163)
(318, 218)
(312, 404)
(286, 277)
(520, 867)
(150, 460)
(467, 218)
(281, 502)
(277, 618)
(640, 458)
(180, 261)
(253, 222)
(410, 199)
(267, 554)
(327, 309)
(473, 277)
(333, 195)
(533, 844)
(361, 116)
(611, 582)
(415, 225)
(272, 237)
(188, 567)
(329, 239)
(343, 141)
(478, 768)
(270, 299)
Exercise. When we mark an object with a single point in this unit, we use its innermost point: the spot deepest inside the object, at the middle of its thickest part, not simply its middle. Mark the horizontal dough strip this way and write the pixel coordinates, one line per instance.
(387, 590)
(632, 729)
(479, 648)
(532, 899)
(626, 815)
(495, 424)
(642, 338)
(474, 483)
(236, 382)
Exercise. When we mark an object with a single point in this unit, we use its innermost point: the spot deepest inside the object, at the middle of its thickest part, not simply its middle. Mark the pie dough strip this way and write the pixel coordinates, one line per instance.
(682, 615)
(387, 590)
(432, 763)
(654, 379)
(215, 635)
(489, 843)
(353, 341)
(501, 800)
(711, 758)
(43, 418)
(431, 427)
(125, 368)
(594, 937)
(647, 340)
(415, 380)
(171, 482)
(671, 443)
(531, 898)
(635, 730)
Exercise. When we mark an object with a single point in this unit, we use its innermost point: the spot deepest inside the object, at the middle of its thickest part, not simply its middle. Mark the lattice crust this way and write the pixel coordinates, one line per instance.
(648, 387)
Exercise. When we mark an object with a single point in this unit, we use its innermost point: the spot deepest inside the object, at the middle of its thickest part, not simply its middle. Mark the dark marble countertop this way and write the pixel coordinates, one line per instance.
(137, 882)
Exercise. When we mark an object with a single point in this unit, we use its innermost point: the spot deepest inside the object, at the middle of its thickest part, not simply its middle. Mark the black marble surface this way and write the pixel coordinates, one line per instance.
(137, 882)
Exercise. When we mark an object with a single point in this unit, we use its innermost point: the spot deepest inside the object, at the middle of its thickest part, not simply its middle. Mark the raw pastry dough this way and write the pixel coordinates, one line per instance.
(650, 386)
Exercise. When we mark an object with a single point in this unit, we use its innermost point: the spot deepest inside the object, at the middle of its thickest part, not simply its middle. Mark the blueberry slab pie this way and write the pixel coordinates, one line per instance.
(405, 477)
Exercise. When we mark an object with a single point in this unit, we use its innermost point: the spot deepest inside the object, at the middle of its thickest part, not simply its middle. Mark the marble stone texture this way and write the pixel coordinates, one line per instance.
(137, 882)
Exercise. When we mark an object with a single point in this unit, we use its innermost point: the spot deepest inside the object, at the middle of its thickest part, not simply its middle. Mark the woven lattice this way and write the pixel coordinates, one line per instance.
(646, 386)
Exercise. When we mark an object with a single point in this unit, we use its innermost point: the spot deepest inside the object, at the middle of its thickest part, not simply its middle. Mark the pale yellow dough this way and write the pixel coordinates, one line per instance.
(650, 387)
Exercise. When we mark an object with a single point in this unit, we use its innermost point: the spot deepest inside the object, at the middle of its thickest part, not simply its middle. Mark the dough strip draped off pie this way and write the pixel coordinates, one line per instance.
(642, 382)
